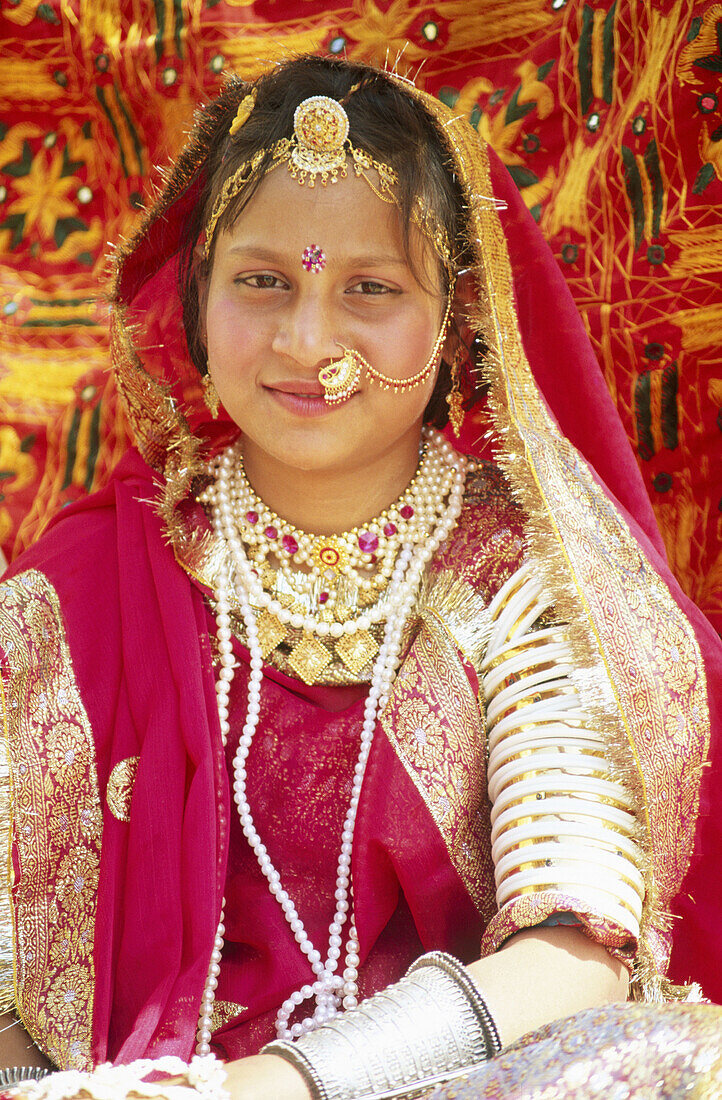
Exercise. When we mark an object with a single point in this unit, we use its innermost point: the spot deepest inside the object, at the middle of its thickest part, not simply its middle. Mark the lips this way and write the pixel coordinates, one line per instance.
(302, 387)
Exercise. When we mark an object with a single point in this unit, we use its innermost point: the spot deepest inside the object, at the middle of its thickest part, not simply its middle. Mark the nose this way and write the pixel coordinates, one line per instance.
(305, 331)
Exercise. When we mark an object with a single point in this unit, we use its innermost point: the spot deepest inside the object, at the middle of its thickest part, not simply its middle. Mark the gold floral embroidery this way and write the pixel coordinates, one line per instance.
(64, 760)
(120, 787)
(432, 720)
(57, 822)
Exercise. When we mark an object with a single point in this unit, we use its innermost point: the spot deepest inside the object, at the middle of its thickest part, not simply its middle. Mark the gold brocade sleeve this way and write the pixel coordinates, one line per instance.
(54, 822)
(433, 722)
(7, 985)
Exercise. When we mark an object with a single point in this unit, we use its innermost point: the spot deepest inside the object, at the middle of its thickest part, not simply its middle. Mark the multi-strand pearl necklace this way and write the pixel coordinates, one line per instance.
(330, 990)
(343, 573)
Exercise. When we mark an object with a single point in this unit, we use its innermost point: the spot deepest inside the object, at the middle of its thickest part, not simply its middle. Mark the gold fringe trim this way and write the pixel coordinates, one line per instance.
(162, 435)
(452, 606)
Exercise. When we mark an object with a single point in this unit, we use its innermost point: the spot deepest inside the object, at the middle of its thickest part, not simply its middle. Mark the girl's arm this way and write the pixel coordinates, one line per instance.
(16, 1046)
(539, 975)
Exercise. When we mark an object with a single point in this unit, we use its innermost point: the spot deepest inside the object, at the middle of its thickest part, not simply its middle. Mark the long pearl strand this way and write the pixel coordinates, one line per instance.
(330, 990)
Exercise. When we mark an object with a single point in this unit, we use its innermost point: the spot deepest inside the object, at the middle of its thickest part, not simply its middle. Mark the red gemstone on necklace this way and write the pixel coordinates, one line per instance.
(389, 529)
(368, 542)
(289, 544)
(406, 512)
(323, 597)
(252, 517)
(271, 533)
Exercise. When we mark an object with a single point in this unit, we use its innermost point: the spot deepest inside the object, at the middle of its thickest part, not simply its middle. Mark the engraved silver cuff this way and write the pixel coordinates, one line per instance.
(430, 1027)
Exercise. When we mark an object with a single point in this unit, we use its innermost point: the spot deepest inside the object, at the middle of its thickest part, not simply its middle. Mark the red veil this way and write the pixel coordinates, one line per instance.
(142, 661)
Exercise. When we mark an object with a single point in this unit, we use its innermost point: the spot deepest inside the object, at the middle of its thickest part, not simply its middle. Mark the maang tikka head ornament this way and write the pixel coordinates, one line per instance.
(320, 147)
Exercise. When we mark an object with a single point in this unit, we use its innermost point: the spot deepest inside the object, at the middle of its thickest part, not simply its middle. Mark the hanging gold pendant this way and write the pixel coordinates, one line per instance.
(271, 632)
(454, 398)
(309, 658)
(210, 396)
(357, 650)
(456, 410)
(340, 379)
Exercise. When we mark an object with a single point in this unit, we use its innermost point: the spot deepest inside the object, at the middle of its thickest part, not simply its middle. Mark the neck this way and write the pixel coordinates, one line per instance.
(328, 501)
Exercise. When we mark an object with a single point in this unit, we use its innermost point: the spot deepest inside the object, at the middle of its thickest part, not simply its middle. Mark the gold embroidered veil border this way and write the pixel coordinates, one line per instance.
(639, 668)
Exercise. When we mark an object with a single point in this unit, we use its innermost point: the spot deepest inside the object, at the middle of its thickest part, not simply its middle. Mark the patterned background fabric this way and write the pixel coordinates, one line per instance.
(608, 116)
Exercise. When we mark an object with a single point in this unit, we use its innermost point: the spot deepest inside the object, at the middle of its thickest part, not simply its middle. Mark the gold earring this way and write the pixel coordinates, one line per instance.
(454, 398)
(210, 396)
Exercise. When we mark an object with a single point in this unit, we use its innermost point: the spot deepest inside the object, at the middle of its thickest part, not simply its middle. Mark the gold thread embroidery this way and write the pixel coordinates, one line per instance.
(119, 794)
(225, 1011)
(7, 977)
(432, 720)
(57, 822)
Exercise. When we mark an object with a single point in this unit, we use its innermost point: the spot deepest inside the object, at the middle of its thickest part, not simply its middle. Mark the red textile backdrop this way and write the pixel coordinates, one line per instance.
(608, 116)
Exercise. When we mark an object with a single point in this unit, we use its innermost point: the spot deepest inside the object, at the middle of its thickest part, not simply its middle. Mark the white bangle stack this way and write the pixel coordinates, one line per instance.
(428, 1028)
(560, 822)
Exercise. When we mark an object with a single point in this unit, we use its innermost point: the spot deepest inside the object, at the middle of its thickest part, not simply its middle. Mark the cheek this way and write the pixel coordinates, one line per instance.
(230, 335)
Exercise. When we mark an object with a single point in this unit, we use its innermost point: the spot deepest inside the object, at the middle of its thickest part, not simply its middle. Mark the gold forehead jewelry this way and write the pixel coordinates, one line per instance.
(341, 377)
(245, 107)
(320, 147)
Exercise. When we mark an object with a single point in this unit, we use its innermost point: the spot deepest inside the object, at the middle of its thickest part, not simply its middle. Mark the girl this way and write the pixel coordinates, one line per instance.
(312, 693)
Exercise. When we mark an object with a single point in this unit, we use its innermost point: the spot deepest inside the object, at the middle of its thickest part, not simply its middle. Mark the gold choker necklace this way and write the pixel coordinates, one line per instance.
(323, 600)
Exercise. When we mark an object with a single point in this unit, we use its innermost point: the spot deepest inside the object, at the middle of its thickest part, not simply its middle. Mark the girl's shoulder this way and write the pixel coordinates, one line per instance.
(487, 544)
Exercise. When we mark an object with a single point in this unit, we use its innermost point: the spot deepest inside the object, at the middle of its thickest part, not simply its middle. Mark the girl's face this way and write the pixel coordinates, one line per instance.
(271, 324)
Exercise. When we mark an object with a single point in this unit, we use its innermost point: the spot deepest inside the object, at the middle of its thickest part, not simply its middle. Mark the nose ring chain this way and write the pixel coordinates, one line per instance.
(340, 378)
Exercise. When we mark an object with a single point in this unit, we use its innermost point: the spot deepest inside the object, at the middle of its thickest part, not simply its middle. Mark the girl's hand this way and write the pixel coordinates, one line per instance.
(262, 1076)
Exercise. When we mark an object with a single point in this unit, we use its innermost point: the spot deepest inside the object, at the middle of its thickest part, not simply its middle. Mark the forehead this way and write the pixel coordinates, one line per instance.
(341, 216)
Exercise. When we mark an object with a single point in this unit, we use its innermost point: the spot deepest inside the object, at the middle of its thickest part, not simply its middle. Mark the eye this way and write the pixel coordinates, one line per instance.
(372, 288)
(261, 281)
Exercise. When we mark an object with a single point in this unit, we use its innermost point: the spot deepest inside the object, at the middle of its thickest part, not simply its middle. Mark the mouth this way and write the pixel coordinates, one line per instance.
(298, 388)
(301, 399)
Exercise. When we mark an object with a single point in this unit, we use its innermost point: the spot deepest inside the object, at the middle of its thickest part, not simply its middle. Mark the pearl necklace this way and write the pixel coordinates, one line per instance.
(330, 990)
(354, 567)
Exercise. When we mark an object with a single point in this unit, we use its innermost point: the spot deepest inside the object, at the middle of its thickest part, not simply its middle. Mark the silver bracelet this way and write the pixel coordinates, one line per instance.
(15, 1075)
(428, 1028)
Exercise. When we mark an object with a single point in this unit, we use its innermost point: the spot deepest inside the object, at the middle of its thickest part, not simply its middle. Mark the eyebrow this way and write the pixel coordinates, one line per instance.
(366, 259)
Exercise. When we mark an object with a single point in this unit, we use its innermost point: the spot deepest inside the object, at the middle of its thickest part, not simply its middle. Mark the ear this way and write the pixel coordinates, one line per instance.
(465, 296)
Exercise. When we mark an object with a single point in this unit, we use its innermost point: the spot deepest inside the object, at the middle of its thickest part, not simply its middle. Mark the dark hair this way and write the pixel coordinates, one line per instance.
(385, 121)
